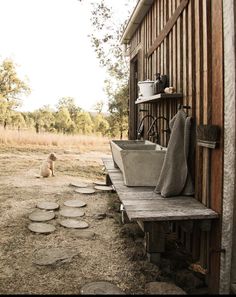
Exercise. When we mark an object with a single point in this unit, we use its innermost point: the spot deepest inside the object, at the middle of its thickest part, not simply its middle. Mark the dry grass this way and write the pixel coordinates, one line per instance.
(31, 139)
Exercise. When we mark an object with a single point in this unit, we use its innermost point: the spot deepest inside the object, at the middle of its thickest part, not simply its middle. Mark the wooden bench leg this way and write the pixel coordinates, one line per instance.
(124, 216)
(155, 241)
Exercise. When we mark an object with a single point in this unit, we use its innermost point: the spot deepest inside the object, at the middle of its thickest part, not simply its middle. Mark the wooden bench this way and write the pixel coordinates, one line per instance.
(153, 212)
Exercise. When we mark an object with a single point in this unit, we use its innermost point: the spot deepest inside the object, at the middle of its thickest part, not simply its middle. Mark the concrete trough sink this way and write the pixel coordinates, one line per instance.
(139, 160)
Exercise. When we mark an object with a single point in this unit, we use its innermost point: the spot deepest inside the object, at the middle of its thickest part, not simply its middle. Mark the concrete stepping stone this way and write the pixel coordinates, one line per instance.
(101, 288)
(104, 188)
(48, 205)
(70, 212)
(75, 203)
(74, 224)
(41, 216)
(82, 234)
(100, 183)
(51, 256)
(79, 185)
(41, 228)
(85, 191)
(163, 288)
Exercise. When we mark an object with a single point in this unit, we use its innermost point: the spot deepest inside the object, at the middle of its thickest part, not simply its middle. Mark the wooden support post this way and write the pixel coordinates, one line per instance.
(124, 216)
(108, 180)
(155, 241)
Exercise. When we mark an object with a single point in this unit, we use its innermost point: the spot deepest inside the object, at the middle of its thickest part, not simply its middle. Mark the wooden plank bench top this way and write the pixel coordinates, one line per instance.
(142, 203)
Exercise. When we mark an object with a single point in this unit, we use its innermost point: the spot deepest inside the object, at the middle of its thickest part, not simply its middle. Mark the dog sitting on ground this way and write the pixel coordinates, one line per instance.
(47, 167)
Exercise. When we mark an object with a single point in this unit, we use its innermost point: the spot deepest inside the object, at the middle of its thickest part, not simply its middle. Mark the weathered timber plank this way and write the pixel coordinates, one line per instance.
(169, 25)
(141, 203)
(157, 215)
(127, 197)
(139, 190)
(160, 202)
(178, 206)
(217, 156)
(189, 207)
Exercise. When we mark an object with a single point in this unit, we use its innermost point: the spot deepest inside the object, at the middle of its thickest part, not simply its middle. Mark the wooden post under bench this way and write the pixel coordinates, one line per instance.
(155, 240)
(153, 212)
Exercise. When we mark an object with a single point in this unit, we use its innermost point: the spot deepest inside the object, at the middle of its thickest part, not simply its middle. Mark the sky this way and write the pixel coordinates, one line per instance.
(48, 41)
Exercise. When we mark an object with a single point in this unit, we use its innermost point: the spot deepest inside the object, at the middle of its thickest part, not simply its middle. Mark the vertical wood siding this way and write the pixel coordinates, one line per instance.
(191, 55)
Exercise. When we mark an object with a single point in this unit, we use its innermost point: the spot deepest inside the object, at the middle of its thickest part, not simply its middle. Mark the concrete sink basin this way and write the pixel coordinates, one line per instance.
(140, 161)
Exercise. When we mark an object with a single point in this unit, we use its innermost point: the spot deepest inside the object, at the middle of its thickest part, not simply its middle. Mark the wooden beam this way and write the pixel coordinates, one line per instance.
(217, 155)
(169, 25)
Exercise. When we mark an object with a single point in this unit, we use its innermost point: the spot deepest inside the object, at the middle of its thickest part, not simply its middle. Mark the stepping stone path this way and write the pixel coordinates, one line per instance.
(97, 288)
(103, 188)
(70, 212)
(50, 256)
(70, 223)
(85, 191)
(48, 205)
(79, 185)
(75, 203)
(41, 228)
(41, 216)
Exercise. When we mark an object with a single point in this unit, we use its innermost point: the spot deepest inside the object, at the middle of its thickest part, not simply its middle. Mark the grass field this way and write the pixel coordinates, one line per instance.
(30, 139)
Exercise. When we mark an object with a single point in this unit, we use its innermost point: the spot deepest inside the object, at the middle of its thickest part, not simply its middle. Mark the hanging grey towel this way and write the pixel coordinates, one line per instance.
(174, 178)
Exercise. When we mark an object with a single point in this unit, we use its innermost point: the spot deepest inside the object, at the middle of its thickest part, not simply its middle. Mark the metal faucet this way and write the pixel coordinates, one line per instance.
(140, 127)
(155, 121)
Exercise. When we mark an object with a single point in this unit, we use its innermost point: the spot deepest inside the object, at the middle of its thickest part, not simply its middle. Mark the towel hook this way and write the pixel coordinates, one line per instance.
(180, 106)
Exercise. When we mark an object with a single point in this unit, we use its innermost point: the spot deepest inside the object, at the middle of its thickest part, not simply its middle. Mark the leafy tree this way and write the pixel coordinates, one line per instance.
(47, 118)
(17, 120)
(11, 88)
(105, 40)
(84, 123)
(38, 123)
(63, 120)
(101, 125)
(118, 108)
(28, 118)
(99, 106)
(69, 103)
(3, 110)
(43, 119)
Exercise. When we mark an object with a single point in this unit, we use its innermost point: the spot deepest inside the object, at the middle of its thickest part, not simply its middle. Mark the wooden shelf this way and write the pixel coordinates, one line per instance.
(155, 98)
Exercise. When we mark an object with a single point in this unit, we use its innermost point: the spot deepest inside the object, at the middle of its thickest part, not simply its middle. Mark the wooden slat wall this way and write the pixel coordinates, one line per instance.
(191, 55)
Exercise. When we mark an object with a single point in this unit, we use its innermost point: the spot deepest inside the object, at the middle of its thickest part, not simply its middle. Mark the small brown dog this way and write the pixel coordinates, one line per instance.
(47, 167)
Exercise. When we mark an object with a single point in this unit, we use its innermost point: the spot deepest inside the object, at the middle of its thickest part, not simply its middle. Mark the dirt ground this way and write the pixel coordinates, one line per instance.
(115, 253)
(109, 256)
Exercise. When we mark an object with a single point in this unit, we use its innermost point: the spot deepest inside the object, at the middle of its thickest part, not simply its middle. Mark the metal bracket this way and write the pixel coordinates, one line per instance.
(218, 251)
(183, 106)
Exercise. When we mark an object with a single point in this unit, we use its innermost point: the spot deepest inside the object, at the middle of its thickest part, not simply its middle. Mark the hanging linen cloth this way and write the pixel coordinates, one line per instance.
(174, 178)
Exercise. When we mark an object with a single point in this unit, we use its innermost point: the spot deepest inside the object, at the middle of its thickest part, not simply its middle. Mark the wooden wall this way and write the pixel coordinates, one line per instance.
(192, 56)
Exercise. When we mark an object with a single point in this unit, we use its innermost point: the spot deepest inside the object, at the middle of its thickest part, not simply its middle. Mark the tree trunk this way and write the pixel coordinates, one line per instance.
(37, 127)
